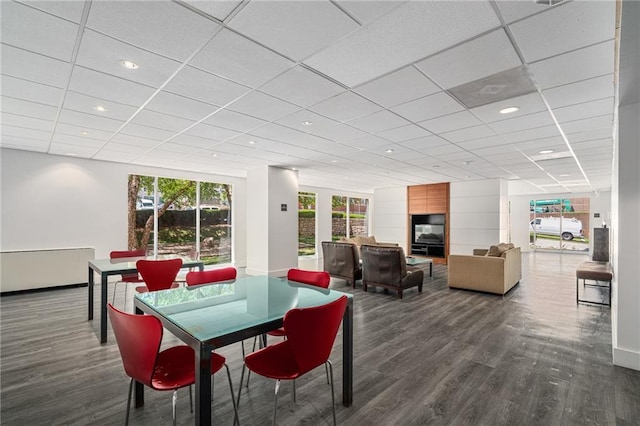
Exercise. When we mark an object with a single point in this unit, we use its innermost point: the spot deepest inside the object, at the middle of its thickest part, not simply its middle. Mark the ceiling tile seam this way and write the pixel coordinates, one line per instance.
(159, 89)
(546, 172)
(72, 63)
(566, 52)
(580, 81)
(518, 51)
(197, 11)
(35, 7)
(499, 13)
(346, 12)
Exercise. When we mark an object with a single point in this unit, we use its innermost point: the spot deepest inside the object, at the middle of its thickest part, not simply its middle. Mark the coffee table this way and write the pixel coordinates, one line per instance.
(418, 261)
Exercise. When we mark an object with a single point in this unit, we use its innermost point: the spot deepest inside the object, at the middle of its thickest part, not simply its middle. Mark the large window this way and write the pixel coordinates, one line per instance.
(176, 216)
(559, 224)
(306, 223)
(350, 217)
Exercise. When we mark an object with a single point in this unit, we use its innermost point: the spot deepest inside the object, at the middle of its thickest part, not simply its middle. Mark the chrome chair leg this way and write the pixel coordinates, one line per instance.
(126, 422)
(190, 399)
(326, 370)
(333, 400)
(174, 400)
(275, 402)
(236, 418)
(240, 387)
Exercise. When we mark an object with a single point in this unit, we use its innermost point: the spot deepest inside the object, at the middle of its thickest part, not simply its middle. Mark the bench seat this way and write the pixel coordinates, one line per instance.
(594, 271)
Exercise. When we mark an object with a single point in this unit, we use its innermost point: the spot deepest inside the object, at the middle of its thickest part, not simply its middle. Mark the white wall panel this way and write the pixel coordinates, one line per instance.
(390, 224)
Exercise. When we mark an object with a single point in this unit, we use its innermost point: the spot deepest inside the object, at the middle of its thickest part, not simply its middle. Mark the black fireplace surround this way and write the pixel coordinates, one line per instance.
(428, 234)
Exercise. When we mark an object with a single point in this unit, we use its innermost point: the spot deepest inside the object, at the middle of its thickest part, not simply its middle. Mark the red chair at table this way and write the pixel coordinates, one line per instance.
(126, 278)
(311, 333)
(139, 338)
(316, 278)
(212, 276)
(158, 274)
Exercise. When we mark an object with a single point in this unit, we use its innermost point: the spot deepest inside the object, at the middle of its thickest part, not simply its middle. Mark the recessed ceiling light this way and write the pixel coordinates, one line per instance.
(129, 65)
(100, 108)
(71, 154)
(546, 151)
(334, 161)
(84, 133)
(252, 142)
(307, 123)
(294, 169)
(214, 155)
(565, 174)
(509, 110)
(389, 151)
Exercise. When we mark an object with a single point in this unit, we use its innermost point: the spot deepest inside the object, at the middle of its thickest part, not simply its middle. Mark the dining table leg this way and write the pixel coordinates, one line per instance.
(90, 289)
(203, 385)
(103, 308)
(347, 355)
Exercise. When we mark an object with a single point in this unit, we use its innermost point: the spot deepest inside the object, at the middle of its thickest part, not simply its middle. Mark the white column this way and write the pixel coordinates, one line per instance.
(272, 221)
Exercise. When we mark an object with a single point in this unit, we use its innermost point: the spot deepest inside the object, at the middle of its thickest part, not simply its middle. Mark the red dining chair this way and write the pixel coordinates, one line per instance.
(316, 278)
(212, 276)
(126, 278)
(158, 274)
(311, 333)
(139, 338)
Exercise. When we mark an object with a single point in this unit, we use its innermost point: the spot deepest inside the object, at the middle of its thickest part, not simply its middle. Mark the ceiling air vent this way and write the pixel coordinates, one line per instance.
(497, 87)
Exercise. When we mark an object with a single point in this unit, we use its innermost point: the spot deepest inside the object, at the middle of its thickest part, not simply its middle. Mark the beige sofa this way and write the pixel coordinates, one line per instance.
(497, 273)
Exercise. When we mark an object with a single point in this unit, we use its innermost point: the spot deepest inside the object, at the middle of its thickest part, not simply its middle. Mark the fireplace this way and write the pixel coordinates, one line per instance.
(428, 234)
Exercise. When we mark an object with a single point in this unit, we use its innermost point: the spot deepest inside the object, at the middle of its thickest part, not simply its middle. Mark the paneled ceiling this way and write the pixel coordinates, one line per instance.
(355, 95)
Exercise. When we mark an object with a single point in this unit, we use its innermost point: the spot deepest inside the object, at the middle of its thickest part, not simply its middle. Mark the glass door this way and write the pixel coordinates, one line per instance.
(560, 224)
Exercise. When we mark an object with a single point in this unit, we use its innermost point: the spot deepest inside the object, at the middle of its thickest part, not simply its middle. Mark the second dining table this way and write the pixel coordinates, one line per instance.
(210, 316)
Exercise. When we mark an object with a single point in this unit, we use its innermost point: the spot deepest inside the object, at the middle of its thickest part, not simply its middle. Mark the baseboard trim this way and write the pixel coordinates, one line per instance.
(626, 358)
(41, 289)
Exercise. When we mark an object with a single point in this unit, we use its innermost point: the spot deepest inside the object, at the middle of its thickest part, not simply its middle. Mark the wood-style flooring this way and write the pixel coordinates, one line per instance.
(443, 357)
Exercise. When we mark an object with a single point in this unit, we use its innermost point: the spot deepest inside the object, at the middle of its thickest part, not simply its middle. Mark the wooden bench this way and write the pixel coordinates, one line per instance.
(594, 271)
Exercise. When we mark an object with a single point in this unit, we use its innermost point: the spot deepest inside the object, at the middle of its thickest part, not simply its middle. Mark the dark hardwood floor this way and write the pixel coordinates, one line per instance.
(441, 357)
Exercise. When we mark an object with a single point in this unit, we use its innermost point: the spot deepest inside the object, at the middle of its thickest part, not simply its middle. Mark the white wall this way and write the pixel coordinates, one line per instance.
(478, 215)
(626, 237)
(51, 201)
(390, 221)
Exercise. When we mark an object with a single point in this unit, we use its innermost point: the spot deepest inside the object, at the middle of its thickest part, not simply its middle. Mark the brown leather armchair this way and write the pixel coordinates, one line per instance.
(341, 260)
(387, 267)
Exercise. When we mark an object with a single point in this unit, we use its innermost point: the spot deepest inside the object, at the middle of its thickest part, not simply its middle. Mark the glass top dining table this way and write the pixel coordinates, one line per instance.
(210, 316)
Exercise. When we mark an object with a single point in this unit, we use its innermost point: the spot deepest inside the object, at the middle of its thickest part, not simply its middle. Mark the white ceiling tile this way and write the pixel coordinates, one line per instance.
(34, 67)
(27, 109)
(26, 122)
(219, 9)
(179, 106)
(569, 26)
(404, 35)
(86, 104)
(120, 152)
(192, 141)
(101, 53)
(301, 87)
(158, 26)
(513, 10)
(469, 133)
(582, 136)
(295, 29)
(587, 124)
(82, 132)
(21, 132)
(444, 149)
(130, 143)
(585, 110)
(345, 106)
(455, 121)
(234, 120)
(367, 142)
(583, 91)
(23, 144)
(236, 58)
(59, 148)
(426, 143)
(212, 132)
(178, 148)
(161, 121)
(263, 106)
(378, 121)
(398, 87)
(482, 57)
(153, 133)
(277, 133)
(365, 11)
(490, 141)
(103, 86)
(45, 34)
(537, 133)
(297, 120)
(524, 122)
(528, 104)
(582, 64)
(89, 121)
(339, 133)
(428, 107)
(206, 87)
(404, 133)
(29, 91)
(70, 10)
(73, 140)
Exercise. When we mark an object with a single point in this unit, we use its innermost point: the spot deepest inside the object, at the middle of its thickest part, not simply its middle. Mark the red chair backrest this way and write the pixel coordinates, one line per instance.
(212, 276)
(317, 278)
(138, 338)
(312, 331)
(159, 274)
(116, 254)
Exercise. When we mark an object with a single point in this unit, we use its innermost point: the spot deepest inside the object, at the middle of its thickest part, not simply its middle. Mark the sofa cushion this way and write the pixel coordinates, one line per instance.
(496, 251)
(361, 240)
